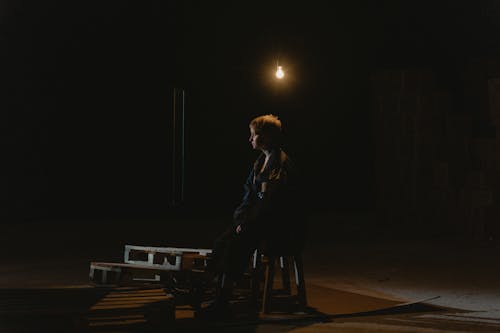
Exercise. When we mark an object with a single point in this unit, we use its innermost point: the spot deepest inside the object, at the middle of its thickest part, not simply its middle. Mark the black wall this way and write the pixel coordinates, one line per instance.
(86, 95)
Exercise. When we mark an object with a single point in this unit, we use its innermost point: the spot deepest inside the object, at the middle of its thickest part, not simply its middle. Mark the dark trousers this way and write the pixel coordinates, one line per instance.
(232, 251)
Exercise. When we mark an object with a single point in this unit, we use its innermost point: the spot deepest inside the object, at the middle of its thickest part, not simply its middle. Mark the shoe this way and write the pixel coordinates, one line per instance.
(217, 310)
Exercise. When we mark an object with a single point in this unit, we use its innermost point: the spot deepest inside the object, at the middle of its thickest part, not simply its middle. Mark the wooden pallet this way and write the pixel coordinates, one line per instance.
(147, 263)
(83, 309)
(127, 307)
(112, 273)
(171, 258)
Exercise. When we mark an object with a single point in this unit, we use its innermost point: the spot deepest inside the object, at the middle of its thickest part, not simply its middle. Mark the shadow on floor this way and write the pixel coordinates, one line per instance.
(151, 309)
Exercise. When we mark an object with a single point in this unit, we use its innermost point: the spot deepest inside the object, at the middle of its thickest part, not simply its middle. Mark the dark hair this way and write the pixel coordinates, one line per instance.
(269, 125)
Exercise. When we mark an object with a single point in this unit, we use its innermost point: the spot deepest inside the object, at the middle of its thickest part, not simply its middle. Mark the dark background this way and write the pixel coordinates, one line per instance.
(86, 95)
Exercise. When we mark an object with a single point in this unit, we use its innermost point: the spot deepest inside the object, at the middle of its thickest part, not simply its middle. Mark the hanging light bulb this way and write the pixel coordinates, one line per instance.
(279, 73)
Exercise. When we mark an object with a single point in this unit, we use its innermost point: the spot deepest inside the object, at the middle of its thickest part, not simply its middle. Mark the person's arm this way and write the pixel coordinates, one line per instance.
(265, 198)
(269, 190)
(243, 208)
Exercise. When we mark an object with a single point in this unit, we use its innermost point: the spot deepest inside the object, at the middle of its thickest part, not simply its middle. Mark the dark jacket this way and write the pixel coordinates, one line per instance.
(271, 204)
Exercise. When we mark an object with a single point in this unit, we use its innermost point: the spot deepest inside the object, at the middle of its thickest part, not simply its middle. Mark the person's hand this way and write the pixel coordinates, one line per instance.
(238, 229)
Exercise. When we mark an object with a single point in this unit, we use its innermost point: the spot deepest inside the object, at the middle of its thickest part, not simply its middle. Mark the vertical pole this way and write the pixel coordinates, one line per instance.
(183, 150)
(178, 146)
(174, 143)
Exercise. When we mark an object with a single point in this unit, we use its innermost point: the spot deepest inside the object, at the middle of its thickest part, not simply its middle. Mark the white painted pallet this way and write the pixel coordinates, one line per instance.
(175, 254)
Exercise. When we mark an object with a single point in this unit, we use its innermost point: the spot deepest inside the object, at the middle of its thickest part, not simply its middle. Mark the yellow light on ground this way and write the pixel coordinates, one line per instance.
(279, 73)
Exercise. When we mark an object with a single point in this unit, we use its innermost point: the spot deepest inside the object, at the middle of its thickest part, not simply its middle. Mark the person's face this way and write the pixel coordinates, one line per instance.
(256, 139)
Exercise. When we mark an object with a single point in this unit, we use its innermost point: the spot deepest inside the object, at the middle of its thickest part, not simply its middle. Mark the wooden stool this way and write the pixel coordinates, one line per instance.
(269, 261)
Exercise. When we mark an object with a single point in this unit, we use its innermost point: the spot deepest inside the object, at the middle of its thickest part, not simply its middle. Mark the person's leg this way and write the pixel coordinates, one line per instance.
(233, 256)
(237, 254)
(216, 263)
(219, 307)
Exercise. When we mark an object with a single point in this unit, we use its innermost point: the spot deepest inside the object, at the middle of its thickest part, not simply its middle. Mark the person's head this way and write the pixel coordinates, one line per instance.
(265, 132)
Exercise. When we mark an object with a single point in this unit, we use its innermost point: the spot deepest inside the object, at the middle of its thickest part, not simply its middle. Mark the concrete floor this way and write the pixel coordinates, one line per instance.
(342, 254)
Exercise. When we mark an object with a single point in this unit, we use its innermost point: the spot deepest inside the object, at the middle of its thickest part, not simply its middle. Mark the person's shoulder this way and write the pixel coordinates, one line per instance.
(286, 161)
(284, 157)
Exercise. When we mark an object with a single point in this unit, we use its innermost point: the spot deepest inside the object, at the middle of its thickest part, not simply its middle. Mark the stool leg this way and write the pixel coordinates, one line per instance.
(285, 274)
(300, 281)
(268, 285)
(256, 276)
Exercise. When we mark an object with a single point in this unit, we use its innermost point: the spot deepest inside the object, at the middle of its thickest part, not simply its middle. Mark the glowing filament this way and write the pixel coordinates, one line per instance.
(279, 73)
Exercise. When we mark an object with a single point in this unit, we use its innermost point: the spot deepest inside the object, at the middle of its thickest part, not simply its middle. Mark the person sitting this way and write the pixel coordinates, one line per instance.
(268, 213)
